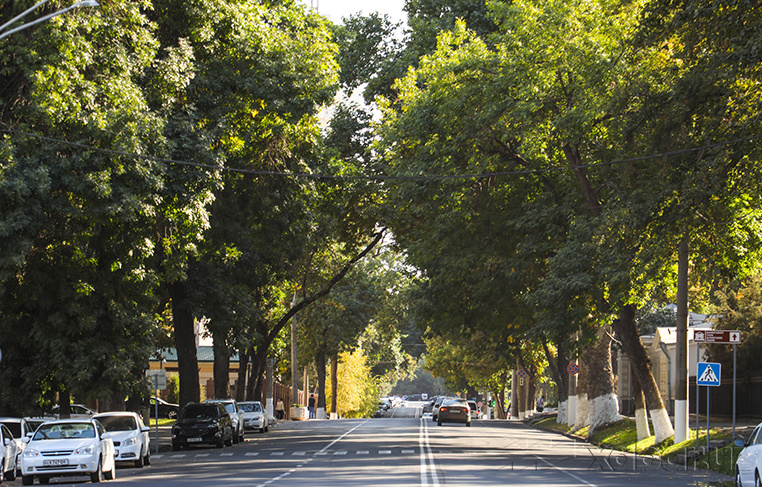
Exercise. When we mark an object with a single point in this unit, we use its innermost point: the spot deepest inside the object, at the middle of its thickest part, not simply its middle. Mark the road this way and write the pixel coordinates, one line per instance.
(405, 449)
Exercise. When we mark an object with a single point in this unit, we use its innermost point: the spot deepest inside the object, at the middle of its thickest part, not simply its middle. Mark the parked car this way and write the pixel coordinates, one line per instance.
(254, 416)
(132, 442)
(69, 447)
(454, 411)
(429, 406)
(35, 422)
(236, 415)
(78, 411)
(200, 423)
(749, 462)
(166, 409)
(9, 454)
(476, 413)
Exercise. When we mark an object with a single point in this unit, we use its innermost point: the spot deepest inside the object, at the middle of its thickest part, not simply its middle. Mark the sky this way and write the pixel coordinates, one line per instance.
(336, 9)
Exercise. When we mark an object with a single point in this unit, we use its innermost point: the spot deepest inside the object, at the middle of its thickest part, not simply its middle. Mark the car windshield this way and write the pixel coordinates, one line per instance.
(199, 411)
(14, 427)
(58, 431)
(118, 423)
(230, 407)
(251, 407)
(454, 402)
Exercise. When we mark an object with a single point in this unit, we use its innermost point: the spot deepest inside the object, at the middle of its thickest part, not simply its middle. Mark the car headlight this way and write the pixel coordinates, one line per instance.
(85, 450)
(130, 441)
(31, 452)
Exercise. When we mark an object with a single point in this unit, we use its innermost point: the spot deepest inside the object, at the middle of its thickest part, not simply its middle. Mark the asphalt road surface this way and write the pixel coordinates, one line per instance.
(406, 449)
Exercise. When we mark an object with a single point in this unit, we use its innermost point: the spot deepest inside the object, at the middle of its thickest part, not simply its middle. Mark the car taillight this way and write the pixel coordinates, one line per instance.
(443, 408)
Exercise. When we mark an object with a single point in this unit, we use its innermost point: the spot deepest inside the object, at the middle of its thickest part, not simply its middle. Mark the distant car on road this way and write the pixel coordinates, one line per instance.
(166, 409)
(435, 407)
(454, 411)
(254, 416)
(78, 411)
(476, 413)
(749, 462)
(200, 423)
(131, 441)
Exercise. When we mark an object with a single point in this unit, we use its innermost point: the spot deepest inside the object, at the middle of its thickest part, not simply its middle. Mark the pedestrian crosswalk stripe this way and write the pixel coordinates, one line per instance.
(363, 452)
(408, 451)
(252, 454)
(384, 452)
(299, 453)
(277, 453)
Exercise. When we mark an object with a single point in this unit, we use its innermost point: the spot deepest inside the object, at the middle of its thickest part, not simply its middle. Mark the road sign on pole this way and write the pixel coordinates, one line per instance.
(717, 336)
(708, 374)
(573, 369)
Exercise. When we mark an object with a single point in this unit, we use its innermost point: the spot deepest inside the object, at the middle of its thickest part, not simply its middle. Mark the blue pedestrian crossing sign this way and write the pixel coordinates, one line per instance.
(708, 374)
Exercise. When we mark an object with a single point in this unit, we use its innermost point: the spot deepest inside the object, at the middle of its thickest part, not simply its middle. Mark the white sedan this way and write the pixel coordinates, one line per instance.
(254, 416)
(131, 440)
(69, 447)
(749, 463)
(8, 454)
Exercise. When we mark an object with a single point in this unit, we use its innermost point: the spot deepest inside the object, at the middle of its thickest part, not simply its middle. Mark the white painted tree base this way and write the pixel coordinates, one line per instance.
(641, 424)
(603, 410)
(582, 416)
(561, 418)
(681, 420)
(662, 424)
(320, 413)
(571, 413)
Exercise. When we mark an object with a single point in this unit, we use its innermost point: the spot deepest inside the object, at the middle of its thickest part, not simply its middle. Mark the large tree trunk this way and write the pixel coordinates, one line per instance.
(185, 343)
(221, 369)
(601, 395)
(627, 331)
(320, 364)
(641, 413)
(582, 406)
(243, 365)
(558, 368)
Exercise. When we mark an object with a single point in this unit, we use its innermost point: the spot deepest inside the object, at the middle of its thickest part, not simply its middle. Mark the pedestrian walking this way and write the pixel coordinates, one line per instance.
(280, 410)
(311, 406)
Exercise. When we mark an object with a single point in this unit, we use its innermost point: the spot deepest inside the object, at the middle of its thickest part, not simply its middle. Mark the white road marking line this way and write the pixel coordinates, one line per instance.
(384, 452)
(252, 454)
(575, 477)
(363, 452)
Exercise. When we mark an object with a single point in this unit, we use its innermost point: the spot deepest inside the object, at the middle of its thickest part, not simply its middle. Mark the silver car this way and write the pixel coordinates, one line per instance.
(69, 447)
(254, 416)
(236, 415)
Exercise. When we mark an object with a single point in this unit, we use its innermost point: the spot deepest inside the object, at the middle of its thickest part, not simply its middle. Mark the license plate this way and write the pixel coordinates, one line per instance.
(55, 463)
(194, 440)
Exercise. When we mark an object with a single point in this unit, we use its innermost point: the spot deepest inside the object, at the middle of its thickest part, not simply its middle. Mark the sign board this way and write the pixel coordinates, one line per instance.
(522, 373)
(158, 378)
(717, 336)
(573, 369)
(708, 374)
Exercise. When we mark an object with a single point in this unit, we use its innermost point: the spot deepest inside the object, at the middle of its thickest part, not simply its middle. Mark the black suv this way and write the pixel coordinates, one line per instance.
(202, 423)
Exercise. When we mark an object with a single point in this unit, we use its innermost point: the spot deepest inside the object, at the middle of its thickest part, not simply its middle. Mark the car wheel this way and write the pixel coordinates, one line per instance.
(139, 461)
(229, 441)
(175, 447)
(267, 428)
(96, 476)
(757, 480)
(147, 458)
(11, 475)
(242, 438)
(27, 479)
(44, 480)
(468, 424)
(262, 430)
(439, 423)
(235, 437)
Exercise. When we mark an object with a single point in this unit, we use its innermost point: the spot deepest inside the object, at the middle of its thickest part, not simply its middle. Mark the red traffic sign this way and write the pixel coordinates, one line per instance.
(717, 336)
(573, 369)
(522, 373)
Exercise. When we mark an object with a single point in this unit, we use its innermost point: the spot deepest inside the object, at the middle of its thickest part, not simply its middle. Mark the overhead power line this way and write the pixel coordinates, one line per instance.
(429, 177)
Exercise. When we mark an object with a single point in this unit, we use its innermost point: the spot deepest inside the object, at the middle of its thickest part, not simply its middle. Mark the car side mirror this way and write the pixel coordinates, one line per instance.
(105, 436)
(145, 429)
(7, 441)
(739, 442)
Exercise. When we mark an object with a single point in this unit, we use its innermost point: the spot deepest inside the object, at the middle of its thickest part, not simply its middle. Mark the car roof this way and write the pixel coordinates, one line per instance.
(12, 420)
(116, 413)
(69, 421)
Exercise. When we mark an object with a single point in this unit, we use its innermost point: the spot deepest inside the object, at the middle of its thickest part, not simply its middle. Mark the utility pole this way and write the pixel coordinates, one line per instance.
(294, 367)
(681, 380)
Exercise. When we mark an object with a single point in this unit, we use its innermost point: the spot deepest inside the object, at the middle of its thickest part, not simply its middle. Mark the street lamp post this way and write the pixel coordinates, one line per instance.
(81, 3)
